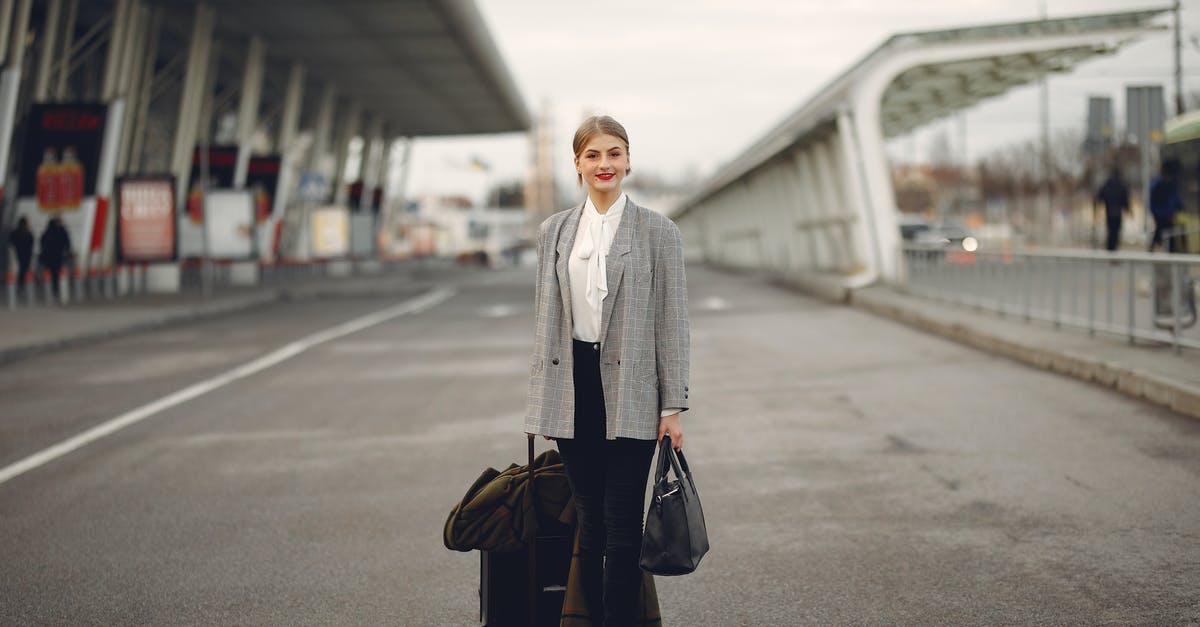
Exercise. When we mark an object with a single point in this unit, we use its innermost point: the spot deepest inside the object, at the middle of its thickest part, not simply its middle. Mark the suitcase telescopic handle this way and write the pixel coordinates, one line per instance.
(532, 540)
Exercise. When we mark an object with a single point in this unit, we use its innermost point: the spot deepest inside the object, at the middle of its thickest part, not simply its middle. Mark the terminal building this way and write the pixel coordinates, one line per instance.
(166, 131)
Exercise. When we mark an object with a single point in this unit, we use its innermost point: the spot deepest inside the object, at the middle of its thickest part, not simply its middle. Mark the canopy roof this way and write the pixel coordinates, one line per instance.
(428, 67)
(973, 63)
(928, 92)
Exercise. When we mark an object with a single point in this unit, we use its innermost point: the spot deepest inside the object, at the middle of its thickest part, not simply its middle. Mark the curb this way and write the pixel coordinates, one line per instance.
(210, 310)
(1176, 396)
(199, 312)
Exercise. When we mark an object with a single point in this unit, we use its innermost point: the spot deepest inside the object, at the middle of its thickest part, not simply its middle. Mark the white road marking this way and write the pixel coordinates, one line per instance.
(714, 303)
(498, 311)
(415, 305)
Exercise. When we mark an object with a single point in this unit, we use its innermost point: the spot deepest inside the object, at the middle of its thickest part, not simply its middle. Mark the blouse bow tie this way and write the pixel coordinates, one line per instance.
(598, 232)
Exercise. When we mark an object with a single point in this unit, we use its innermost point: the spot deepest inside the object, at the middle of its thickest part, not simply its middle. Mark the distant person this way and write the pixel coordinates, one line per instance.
(1165, 204)
(1115, 196)
(21, 240)
(610, 361)
(54, 248)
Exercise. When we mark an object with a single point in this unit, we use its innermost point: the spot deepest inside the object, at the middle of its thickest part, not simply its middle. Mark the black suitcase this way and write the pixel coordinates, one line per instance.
(526, 588)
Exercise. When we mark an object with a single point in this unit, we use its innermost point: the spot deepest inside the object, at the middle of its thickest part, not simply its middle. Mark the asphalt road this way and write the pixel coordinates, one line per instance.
(853, 471)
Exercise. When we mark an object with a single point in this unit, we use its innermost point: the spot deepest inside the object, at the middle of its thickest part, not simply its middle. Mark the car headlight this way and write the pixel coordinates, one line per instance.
(970, 244)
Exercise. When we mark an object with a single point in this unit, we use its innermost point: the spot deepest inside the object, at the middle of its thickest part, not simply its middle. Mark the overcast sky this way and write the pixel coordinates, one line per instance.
(696, 82)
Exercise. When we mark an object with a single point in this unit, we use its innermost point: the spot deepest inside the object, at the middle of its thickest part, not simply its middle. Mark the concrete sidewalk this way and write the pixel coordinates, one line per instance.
(1148, 371)
(31, 331)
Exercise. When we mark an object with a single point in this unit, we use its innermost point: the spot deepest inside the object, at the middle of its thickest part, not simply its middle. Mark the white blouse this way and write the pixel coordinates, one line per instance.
(587, 270)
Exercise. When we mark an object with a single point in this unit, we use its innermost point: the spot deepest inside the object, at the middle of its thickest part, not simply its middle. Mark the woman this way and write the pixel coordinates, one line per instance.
(609, 376)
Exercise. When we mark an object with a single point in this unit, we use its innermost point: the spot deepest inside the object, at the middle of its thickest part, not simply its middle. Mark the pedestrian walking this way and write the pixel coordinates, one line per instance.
(1114, 194)
(21, 240)
(609, 376)
(1165, 203)
(54, 249)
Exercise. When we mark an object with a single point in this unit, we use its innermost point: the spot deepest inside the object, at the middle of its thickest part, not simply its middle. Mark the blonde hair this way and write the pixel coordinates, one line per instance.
(593, 126)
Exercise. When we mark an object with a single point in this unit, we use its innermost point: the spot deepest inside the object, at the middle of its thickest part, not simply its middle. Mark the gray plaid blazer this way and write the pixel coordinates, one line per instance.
(644, 343)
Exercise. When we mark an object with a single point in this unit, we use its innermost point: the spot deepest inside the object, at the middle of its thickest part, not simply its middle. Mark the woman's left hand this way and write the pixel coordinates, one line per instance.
(671, 425)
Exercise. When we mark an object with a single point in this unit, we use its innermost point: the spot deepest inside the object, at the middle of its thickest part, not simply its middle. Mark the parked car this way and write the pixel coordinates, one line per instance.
(950, 235)
(912, 225)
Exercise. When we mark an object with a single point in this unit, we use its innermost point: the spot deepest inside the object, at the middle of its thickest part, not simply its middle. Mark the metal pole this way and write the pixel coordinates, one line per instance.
(1178, 63)
(41, 90)
(6, 16)
(146, 85)
(189, 100)
(1057, 292)
(1091, 297)
(248, 106)
(1176, 306)
(64, 70)
(1132, 294)
(1044, 117)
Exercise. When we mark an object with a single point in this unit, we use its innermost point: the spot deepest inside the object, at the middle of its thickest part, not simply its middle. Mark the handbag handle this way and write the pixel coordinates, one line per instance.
(668, 455)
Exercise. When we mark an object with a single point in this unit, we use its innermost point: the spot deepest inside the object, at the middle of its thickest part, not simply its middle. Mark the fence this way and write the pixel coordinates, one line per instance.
(1141, 296)
(38, 288)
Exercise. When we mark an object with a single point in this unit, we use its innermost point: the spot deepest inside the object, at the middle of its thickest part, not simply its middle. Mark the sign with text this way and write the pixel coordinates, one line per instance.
(61, 154)
(146, 220)
(222, 164)
(262, 177)
(330, 232)
(230, 224)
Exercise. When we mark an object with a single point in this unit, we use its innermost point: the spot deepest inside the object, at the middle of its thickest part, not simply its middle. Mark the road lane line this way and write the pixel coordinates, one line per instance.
(415, 305)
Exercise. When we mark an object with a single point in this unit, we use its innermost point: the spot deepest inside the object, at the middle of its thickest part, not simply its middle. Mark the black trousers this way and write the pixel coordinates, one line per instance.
(1113, 233)
(608, 480)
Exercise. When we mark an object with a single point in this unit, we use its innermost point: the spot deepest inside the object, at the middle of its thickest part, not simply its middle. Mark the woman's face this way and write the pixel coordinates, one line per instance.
(603, 163)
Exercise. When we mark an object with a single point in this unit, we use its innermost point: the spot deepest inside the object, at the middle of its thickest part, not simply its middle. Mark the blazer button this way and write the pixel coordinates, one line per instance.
(554, 361)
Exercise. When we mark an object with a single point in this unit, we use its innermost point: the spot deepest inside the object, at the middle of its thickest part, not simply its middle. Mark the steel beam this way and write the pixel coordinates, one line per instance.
(195, 79)
(50, 28)
(248, 105)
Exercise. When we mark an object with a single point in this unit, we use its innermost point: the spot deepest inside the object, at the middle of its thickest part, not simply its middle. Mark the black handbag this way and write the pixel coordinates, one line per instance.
(675, 538)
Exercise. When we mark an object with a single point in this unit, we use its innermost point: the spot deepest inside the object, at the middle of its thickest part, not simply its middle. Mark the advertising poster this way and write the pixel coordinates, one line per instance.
(230, 224)
(330, 232)
(362, 235)
(146, 220)
(262, 177)
(222, 165)
(59, 166)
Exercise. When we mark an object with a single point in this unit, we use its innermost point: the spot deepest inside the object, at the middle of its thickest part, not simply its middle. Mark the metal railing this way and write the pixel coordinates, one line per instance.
(1140, 296)
(71, 287)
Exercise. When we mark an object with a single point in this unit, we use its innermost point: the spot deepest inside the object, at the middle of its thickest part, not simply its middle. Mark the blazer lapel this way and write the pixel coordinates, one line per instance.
(615, 262)
(566, 241)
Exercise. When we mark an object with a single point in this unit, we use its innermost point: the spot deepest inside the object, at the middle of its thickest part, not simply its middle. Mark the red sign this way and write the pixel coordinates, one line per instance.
(146, 222)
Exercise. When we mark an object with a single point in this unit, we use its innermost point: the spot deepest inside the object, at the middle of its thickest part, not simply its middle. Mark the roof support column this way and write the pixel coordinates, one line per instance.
(6, 19)
(372, 160)
(41, 89)
(144, 91)
(68, 37)
(194, 82)
(248, 106)
(864, 134)
(10, 85)
(321, 134)
(133, 70)
(854, 182)
(289, 123)
(349, 128)
(123, 46)
(10, 80)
